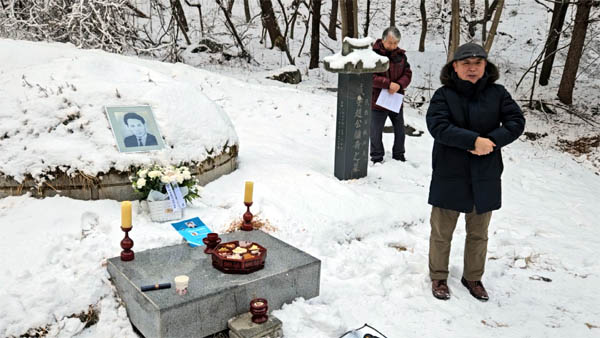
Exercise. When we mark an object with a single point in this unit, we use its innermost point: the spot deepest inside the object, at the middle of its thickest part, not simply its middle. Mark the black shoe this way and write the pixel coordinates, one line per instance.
(400, 158)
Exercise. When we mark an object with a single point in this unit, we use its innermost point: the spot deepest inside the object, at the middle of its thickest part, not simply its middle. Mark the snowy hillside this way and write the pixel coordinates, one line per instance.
(371, 234)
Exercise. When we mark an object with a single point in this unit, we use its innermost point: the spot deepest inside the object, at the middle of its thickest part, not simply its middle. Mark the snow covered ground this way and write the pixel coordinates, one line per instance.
(371, 234)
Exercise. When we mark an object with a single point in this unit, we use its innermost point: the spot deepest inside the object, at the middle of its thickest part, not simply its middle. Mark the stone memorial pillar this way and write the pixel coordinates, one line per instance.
(354, 65)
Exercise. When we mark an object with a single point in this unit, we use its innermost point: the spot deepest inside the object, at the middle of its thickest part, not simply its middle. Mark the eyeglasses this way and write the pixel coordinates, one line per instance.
(355, 334)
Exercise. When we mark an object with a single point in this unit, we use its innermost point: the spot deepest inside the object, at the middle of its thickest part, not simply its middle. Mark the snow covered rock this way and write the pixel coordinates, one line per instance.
(289, 74)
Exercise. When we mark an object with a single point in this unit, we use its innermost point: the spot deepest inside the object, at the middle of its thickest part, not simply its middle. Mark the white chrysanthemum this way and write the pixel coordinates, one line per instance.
(187, 175)
(141, 183)
(142, 173)
(166, 179)
(154, 173)
(179, 178)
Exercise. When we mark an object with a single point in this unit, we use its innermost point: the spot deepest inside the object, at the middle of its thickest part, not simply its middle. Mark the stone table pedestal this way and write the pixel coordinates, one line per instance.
(213, 297)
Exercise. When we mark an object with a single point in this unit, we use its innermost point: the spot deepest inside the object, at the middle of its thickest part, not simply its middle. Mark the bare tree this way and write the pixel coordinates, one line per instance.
(486, 11)
(230, 7)
(333, 19)
(199, 6)
(558, 19)
(107, 24)
(296, 6)
(348, 12)
(271, 25)
(233, 31)
(315, 34)
(490, 38)
(393, 13)
(179, 16)
(247, 11)
(454, 40)
(367, 18)
(423, 26)
(567, 82)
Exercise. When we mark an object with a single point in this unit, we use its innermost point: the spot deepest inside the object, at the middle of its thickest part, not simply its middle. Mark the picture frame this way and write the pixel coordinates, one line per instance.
(134, 128)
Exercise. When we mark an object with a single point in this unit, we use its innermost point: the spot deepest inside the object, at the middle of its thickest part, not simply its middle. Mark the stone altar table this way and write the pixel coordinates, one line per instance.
(213, 297)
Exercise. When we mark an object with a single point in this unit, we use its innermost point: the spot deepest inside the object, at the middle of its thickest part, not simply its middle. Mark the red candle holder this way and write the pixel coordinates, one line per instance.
(211, 241)
(127, 244)
(258, 309)
(247, 225)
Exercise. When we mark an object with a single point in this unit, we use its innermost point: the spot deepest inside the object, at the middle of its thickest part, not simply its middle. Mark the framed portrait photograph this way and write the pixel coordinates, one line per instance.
(134, 128)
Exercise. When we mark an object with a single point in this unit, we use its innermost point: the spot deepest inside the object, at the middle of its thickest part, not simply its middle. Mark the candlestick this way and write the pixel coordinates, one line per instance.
(258, 309)
(126, 214)
(248, 192)
(247, 225)
(127, 244)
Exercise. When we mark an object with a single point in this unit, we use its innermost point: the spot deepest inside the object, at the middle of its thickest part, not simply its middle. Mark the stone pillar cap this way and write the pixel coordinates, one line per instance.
(357, 56)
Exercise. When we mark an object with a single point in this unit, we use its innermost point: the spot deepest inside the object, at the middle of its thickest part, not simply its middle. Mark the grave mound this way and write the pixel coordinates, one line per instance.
(55, 137)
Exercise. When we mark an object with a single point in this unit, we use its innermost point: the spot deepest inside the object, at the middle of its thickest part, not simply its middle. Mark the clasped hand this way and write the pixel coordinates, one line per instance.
(483, 146)
(394, 87)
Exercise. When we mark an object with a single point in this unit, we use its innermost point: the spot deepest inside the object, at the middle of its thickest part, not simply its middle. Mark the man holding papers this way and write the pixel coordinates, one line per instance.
(386, 99)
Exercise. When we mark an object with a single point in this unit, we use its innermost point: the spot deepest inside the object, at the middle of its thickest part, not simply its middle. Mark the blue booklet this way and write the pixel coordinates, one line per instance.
(193, 230)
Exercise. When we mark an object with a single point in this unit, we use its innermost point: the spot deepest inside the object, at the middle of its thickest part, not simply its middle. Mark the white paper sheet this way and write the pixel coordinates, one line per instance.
(389, 101)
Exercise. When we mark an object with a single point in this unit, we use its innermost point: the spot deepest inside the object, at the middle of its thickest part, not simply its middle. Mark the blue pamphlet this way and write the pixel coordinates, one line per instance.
(193, 230)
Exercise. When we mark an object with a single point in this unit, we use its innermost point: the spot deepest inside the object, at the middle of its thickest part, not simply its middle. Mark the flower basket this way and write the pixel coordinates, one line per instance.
(151, 184)
(161, 211)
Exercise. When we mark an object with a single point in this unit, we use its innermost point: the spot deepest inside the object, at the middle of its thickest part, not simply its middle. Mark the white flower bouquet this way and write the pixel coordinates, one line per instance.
(151, 182)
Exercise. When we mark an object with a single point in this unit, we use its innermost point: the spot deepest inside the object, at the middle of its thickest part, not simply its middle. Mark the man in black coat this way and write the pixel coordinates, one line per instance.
(140, 137)
(470, 118)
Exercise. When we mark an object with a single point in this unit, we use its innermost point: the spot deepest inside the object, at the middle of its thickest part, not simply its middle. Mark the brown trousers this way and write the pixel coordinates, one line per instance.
(443, 223)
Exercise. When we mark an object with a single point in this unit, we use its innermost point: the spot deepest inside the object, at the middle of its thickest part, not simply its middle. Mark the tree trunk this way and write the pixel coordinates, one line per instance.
(348, 12)
(296, 5)
(472, 3)
(333, 20)
(490, 38)
(180, 15)
(230, 6)
(393, 14)
(247, 11)
(270, 24)
(558, 19)
(484, 24)
(234, 31)
(423, 27)
(315, 34)
(454, 29)
(199, 6)
(367, 18)
(567, 82)
(355, 17)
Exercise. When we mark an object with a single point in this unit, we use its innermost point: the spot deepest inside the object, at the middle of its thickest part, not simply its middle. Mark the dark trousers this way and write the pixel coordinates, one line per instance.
(378, 118)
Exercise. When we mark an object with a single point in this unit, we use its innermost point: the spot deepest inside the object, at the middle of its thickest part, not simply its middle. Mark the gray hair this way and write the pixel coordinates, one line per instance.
(391, 30)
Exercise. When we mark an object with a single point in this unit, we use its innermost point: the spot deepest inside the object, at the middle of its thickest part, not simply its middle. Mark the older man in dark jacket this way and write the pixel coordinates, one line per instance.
(394, 80)
(471, 118)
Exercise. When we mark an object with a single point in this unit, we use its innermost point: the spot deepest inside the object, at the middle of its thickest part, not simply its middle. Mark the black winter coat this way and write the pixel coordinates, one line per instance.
(459, 112)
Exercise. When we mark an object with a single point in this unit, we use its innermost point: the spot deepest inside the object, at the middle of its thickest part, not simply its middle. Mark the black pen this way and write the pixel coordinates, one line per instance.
(155, 287)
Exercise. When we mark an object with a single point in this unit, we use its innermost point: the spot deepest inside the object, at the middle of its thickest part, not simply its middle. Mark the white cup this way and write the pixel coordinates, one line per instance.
(181, 284)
